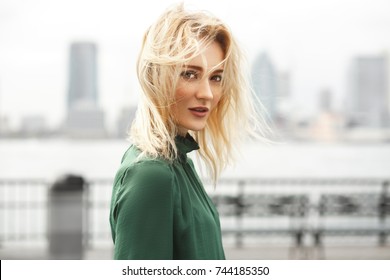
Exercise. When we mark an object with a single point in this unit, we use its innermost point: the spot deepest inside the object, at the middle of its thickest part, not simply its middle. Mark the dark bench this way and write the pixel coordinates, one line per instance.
(346, 215)
(292, 209)
(299, 216)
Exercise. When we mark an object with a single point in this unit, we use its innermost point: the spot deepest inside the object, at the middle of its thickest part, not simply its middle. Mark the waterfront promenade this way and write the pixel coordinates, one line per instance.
(361, 252)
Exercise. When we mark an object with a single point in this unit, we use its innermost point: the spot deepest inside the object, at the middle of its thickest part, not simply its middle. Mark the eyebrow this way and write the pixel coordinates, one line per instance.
(199, 68)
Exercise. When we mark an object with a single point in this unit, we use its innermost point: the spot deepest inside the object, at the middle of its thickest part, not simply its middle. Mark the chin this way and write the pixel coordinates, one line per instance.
(198, 128)
(194, 126)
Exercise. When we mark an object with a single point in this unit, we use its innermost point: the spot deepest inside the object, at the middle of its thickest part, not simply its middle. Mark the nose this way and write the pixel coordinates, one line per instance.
(204, 90)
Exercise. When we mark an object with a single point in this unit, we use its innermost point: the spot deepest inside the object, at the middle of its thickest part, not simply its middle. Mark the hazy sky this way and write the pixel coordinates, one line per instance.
(313, 40)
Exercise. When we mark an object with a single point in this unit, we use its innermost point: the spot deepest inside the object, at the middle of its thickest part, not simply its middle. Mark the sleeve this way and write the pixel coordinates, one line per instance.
(144, 213)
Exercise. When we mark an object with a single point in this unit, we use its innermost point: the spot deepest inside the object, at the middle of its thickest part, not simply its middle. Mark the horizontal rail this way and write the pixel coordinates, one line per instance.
(19, 202)
(229, 181)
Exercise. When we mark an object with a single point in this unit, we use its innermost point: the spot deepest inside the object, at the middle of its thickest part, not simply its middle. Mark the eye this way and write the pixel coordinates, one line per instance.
(216, 78)
(189, 75)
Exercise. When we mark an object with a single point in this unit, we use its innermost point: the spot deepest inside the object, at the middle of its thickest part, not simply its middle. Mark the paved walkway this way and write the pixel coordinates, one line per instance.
(232, 253)
(330, 253)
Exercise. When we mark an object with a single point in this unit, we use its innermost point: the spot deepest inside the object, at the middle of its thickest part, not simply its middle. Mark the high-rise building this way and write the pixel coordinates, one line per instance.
(82, 74)
(284, 85)
(85, 118)
(367, 103)
(265, 83)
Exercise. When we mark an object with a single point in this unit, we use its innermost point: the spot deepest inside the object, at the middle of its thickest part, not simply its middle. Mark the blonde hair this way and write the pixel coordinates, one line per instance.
(177, 37)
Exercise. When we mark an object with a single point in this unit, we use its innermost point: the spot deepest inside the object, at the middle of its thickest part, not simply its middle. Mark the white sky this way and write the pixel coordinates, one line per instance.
(313, 40)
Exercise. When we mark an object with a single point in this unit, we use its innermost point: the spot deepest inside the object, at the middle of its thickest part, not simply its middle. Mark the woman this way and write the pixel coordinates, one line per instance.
(194, 98)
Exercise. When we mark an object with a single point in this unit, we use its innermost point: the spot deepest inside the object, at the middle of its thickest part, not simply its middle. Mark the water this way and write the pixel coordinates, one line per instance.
(50, 158)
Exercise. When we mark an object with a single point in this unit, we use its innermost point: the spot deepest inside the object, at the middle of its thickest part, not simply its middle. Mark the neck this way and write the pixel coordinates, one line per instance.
(182, 131)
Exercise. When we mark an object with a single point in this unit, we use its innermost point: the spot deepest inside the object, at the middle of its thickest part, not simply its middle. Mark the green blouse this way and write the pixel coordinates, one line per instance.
(160, 210)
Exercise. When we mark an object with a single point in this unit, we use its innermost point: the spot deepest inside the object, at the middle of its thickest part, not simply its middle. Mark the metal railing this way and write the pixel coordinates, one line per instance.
(301, 208)
(295, 208)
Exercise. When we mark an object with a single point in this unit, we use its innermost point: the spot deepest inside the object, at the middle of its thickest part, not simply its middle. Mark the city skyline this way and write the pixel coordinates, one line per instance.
(368, 89)
(83, 75)
(265, 82)
(84, 116)
(313, 42)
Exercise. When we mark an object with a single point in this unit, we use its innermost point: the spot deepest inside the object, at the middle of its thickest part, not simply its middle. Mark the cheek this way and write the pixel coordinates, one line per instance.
(216, 99)
(178, 95)
(179, 102)
(181, 93)
(175, 107)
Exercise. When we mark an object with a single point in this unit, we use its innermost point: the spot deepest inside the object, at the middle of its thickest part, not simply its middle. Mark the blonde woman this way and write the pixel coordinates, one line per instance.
(194, 98)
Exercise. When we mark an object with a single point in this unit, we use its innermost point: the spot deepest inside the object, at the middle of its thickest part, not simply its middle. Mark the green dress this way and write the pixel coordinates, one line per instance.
(160, 210)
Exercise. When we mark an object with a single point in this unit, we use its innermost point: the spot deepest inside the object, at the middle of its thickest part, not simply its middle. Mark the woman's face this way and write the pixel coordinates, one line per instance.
(198, 90)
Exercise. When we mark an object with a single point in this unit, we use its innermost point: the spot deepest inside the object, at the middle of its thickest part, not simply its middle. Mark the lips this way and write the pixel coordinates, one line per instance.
(199, 111)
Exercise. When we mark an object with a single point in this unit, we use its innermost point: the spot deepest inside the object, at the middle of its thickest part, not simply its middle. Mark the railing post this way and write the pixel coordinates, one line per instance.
(239, 213)
(318, 230)
(384, 203)
(66, 218)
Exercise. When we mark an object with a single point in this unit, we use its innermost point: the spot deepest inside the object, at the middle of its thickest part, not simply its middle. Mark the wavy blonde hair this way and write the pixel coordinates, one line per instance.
(173, 40)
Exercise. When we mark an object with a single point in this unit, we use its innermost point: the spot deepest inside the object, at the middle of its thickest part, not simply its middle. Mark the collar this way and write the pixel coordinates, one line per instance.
(185, 144)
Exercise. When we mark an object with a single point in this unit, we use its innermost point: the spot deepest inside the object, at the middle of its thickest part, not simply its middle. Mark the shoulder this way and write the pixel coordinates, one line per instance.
(139, 170)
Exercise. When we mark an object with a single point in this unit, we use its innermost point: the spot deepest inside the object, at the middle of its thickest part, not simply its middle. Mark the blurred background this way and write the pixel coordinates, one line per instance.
(68, 93)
